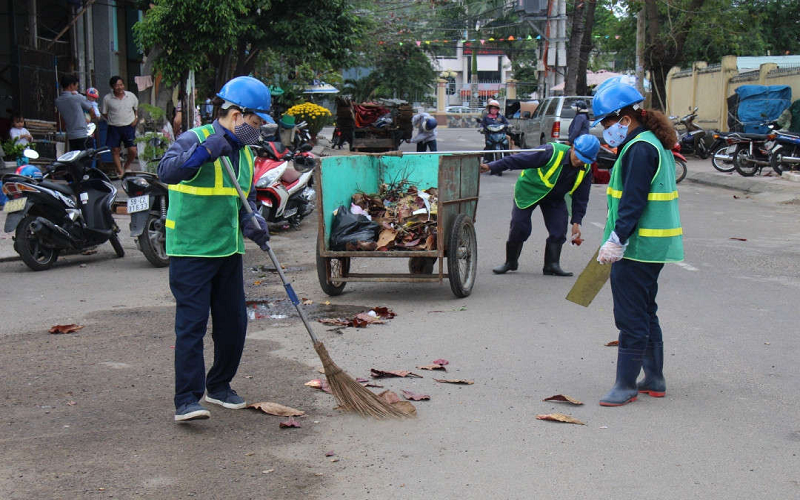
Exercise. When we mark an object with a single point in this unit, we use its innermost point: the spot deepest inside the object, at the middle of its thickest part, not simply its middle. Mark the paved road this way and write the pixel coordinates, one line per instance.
(727, 428)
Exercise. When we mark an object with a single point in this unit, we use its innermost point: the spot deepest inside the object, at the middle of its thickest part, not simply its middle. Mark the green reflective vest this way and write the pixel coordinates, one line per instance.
(203, 213)
(534, 183)
(658, 236)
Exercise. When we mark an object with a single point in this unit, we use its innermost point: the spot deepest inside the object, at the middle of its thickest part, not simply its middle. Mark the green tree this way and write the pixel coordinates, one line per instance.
(404, 72)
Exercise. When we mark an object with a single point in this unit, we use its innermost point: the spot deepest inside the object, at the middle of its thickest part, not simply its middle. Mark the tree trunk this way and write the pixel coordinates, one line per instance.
(586, 49)
(575, 42)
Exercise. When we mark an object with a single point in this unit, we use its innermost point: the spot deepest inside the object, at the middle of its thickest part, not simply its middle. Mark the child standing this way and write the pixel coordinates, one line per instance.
(18, 132)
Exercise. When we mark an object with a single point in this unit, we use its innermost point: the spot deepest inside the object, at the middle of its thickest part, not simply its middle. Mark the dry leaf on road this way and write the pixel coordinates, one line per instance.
(559, 417)
(564, 399)
(433, 367)
(440, 362)
(375, 373)
(415, 397)
(389, 396)
(307, 302)
(454, 381)
(276, 409)
(65, 328)
(289, 423)
(319, 384)
(613, 343)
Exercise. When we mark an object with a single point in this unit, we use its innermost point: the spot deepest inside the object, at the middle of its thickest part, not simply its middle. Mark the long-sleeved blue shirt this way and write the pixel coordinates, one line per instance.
(186, 155)
(566, 179)
(488, 120)
(638, 167)
(578, 127)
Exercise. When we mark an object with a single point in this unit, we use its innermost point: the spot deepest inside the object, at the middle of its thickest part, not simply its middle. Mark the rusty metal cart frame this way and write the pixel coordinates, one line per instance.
(457, 179)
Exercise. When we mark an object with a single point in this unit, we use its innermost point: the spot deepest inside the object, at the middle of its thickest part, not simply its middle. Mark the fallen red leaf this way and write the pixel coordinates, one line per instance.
(384, 312)
(415, 397)
(440, 362)
(559, 417)
(433, 367)
(65, 328)
(454, 381)
(389, 396)
(739, 239)
(375, 373)
(613, 343)
(319, 384)
(577, 241)
(563, 398)
(289, 423)
(330, 454)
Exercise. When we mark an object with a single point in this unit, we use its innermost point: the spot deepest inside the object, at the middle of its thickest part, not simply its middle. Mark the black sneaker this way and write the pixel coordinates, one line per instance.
(227, 399)
(191, 411)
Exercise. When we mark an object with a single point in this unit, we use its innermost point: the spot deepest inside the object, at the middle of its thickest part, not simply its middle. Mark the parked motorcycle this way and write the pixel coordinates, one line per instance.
(749, 152)
(784, 150)
(283, 188)
(607, 156)
(148, 199)
(48, 217)
(720, 158)
(694, 140)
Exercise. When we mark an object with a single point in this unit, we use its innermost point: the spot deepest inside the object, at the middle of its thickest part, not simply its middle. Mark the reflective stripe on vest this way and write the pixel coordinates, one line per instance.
(546, 178)
(614, 193)
(530, 189)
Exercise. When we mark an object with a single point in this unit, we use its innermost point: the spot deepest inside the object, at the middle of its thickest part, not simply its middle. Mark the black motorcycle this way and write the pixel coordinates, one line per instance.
(695, 140)
(49, 217)
(749, 152)
(148, 199)
(720, 158)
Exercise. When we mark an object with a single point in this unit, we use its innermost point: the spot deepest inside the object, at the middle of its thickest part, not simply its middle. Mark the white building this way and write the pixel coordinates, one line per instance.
(494, 70)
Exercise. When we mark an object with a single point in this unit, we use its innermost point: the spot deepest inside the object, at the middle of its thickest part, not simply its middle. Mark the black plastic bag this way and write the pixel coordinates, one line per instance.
(351, 228)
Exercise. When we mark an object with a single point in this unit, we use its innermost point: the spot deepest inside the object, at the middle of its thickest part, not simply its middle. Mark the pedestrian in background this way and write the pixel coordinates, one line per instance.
(426, 131)
(71, 106)
(18, 133)
(205, 223)
(642, 232)
(120, 109)
(580, 123)
(548, 174)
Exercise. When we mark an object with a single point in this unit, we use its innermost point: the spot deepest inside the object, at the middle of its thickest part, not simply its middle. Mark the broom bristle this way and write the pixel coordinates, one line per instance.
(351, 395)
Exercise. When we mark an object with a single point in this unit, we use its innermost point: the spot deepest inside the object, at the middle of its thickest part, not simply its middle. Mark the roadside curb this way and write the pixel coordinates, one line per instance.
(744, 184)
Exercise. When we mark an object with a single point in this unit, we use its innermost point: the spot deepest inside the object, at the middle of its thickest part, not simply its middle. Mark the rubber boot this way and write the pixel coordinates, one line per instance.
(629, 364)
(513, 249)
(552, 256)
(653, 382)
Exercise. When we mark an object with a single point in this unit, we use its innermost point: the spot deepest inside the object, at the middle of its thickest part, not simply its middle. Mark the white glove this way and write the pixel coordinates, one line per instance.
(612, 250)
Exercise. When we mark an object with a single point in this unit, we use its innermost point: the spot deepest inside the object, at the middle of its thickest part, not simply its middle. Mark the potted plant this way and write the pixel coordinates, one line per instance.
(153, 137)
(12, 153)
(314, 115)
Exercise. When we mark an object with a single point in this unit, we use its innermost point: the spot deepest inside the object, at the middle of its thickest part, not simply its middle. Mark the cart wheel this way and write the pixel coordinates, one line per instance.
(328, 269)
(462, 256)
(421, 265)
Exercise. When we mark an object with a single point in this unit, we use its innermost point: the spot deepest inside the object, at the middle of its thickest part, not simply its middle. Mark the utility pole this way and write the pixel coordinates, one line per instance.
(640, 24)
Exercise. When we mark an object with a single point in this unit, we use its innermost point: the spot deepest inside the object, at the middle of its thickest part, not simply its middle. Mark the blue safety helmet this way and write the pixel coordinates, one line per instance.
(612, 98)
(248, 93)
(30, 171)
(586, 147)
(429, 124)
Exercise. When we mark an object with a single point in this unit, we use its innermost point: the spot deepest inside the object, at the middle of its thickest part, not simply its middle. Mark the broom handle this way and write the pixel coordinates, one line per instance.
(273, 258)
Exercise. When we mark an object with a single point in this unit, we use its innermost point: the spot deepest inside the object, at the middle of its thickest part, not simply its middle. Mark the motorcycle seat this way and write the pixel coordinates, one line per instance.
(757, 137)
(61, 188)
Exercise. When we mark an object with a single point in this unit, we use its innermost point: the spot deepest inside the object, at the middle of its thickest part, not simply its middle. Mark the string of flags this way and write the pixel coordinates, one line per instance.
(468, 42)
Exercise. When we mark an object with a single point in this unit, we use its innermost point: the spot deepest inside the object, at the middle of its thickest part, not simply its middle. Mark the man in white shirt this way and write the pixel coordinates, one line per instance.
(120, 110)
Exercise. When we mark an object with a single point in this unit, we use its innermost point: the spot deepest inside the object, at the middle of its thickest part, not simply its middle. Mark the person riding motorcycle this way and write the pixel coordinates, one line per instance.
(492, 117)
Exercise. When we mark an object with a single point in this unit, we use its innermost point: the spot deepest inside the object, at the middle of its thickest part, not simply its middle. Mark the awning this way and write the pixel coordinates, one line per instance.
(324, 88)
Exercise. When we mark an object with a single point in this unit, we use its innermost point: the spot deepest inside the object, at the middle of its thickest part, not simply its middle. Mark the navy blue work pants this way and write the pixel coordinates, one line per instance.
(200, 285)
(554, 212)
(422, 146)
(634, 286)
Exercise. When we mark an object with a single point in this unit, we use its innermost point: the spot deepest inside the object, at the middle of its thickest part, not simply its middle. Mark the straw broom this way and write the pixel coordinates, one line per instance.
(350, 395)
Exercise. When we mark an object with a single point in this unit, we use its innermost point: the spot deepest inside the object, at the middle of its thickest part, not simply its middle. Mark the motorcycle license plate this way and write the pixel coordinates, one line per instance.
(731, 149)
(138, 204)
(15, 205)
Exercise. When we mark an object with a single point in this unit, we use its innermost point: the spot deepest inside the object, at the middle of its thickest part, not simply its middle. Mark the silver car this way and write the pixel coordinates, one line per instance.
(550, 122)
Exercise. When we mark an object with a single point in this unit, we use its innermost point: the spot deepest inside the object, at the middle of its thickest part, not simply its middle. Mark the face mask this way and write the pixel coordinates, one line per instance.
(615, 134)
(246, 133)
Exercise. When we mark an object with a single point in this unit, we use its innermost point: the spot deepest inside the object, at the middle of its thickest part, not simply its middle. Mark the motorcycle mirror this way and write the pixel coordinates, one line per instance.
(91, 128)
(306, 147)
(30, 154)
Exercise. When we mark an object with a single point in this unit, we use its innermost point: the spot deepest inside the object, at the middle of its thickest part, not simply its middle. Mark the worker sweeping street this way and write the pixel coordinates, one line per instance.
(205, 226)
(548, 174)
(642, 232)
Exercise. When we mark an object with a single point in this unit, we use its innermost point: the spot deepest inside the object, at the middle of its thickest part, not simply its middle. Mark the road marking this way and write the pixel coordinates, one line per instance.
(597, 224)
(686, 266)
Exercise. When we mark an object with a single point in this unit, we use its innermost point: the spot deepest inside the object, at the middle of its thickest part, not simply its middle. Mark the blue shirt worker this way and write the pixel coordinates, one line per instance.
(580, 124)
(205, 227)
(426, 132)
(548, 174)
(642, 232)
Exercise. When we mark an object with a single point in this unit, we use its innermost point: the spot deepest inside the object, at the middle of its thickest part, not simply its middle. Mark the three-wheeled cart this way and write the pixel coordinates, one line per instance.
(456, 178)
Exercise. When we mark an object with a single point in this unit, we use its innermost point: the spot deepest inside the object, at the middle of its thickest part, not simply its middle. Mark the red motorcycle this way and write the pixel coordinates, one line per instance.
(283, 188)
(607, 156)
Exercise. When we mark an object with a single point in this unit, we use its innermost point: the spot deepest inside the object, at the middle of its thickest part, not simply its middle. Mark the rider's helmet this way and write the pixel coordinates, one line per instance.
(612, 98)
(93, 93)
(429, 124)
(30, 171)
(246, 92)
(493, 103)
(586, 147)
(580, 106)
